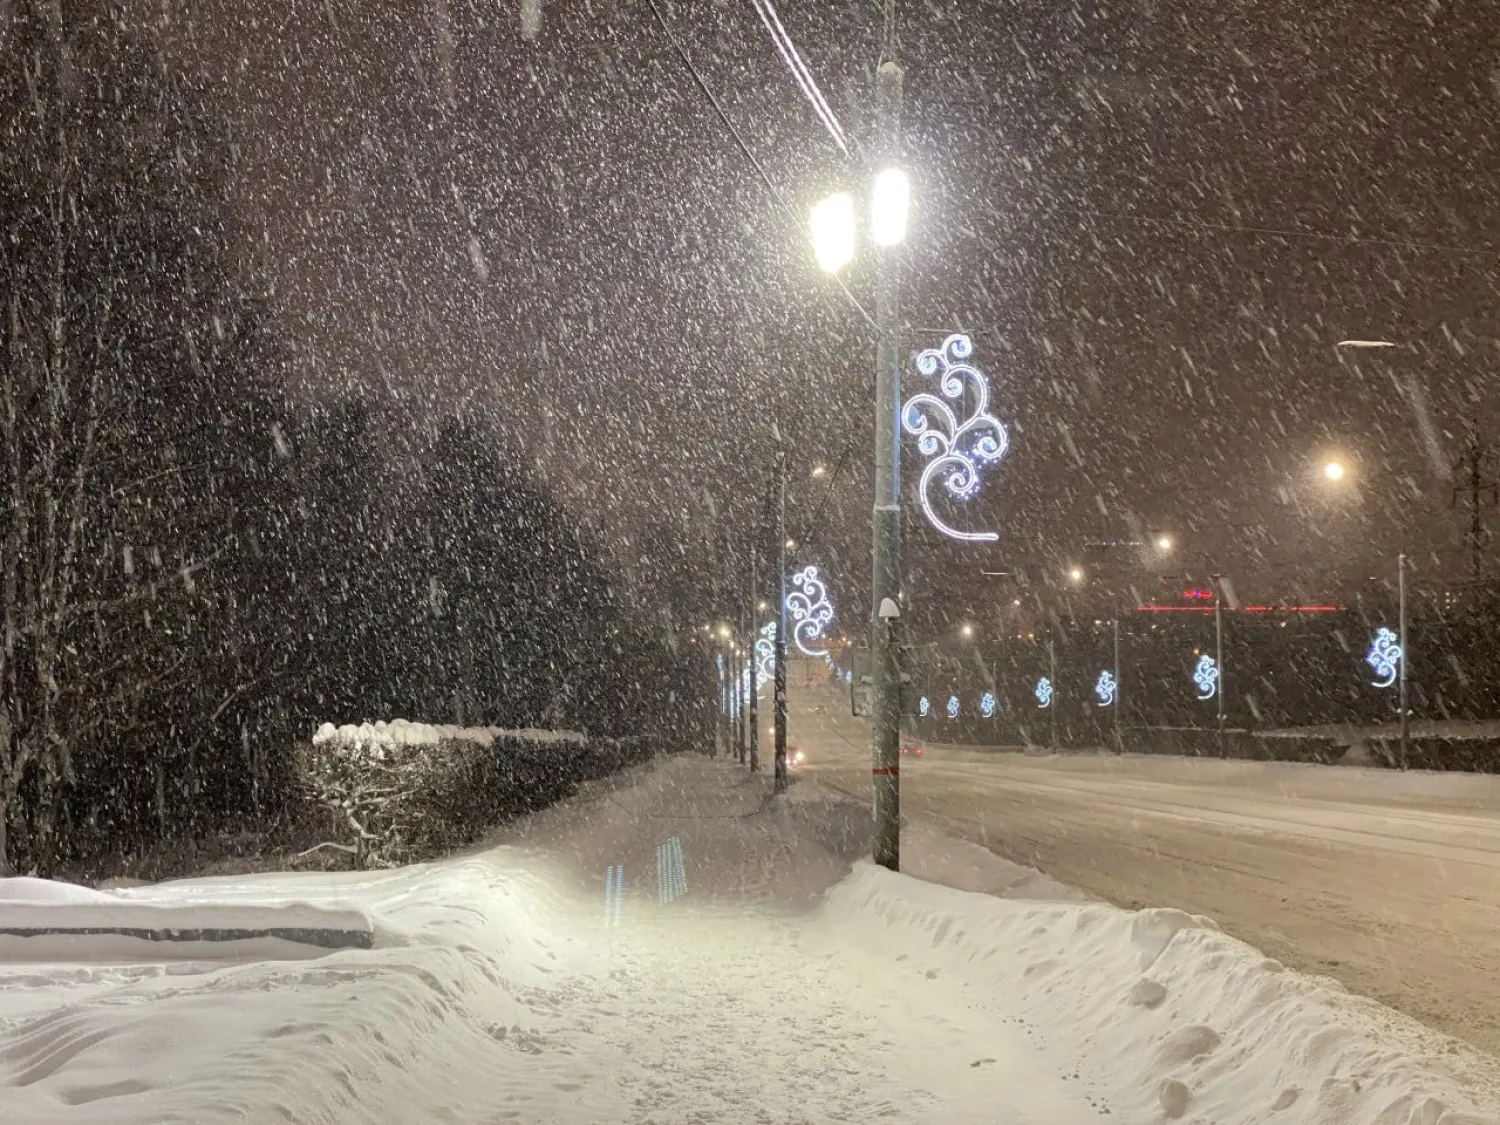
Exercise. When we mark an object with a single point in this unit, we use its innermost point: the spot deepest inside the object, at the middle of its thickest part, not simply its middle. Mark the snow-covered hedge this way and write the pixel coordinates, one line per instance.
(403, 792)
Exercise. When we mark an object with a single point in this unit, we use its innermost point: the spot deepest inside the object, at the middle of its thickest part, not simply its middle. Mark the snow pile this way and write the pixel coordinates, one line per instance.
(374, 738)
(1178, 1019)
(503, 987)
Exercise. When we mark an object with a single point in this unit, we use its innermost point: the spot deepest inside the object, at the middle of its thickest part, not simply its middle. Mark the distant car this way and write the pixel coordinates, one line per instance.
(911, 749)
(795, 757)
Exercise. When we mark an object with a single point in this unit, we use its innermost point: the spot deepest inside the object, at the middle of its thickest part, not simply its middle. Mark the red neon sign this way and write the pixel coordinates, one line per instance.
(1198, 595)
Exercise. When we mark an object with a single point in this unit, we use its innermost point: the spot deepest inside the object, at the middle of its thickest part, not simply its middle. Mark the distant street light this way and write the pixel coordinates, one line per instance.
(1075, 575)
(818, 471)
(1334, 471)
(967, 632)
(1164, 544)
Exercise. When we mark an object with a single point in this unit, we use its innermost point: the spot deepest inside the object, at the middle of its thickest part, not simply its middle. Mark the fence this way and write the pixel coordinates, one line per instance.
(1277, 672)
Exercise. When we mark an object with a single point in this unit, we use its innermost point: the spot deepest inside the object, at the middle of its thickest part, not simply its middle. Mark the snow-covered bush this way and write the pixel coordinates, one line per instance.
(403, 792)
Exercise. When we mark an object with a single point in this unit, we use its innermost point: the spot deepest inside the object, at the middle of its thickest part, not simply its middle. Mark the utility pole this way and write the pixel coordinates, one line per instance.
(1119, 682)
(885, 642)
(1219, 654)
(754, 665)
(1052, 679)
(778, 687)
(1471, 465)
(1405, 654)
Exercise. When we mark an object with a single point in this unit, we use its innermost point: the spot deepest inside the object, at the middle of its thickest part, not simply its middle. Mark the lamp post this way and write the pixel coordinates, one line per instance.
(778, 679)
(750, 609)
(1405, 655)
(1219, 654)
(1403, 639)
(833, 230)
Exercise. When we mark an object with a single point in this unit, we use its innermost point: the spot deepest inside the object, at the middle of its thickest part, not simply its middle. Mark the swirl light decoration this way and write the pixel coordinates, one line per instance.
(810, 609)
(953, 707)
(1044, 692)
(765, 655)
(955, 449)
(1206, 676)
(1384, 657)
(987, 705)
(1104, 688)
(924, 706)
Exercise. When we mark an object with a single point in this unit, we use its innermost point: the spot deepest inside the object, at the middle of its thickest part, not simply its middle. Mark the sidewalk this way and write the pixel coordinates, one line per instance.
(741, 843)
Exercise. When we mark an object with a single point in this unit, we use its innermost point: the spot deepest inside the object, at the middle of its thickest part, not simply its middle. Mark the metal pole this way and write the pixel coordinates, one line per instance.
(1052, 679)
(778, 688)
(1405, 656)
(754, 666)
(885, 642)
(1219, 653)
(742, 705)
(1119, 683)
(722, 735)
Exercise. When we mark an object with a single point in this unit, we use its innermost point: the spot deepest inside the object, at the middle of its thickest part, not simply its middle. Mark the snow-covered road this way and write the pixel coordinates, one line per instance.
(1388, 882)
(760, 981)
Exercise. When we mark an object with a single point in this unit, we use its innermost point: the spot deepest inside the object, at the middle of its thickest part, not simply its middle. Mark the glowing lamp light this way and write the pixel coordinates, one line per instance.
(810, 609)
(1384, 658)
(833, 232)
(1044, 692)
(953, 707)
(1334, 471)
(890, 200)
(1105, 688)
(987, 705)
(956, 450)
(1206, 676)
(924, 707)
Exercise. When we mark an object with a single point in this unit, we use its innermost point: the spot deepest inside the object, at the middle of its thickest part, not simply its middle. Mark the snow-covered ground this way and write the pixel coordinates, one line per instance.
(760, 981)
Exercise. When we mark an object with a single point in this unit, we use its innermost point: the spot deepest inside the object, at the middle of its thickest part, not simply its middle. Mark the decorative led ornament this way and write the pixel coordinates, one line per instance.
(810, 609)
(953, 707)
(923, 707)
(957, 449)
(1206, 676)
(765, 655)
(987, 704)
(1044, 692)
(1104, 688)
(1384, 657)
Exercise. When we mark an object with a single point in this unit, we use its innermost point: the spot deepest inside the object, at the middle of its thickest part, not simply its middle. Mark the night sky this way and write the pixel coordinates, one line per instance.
(562, 232)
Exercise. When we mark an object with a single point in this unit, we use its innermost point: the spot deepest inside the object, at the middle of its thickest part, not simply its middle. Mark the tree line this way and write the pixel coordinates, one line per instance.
(195, 570)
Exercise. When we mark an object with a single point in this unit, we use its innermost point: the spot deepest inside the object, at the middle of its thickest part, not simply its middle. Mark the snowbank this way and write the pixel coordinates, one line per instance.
(1180, 1020)
(400, 732)
(497, 990)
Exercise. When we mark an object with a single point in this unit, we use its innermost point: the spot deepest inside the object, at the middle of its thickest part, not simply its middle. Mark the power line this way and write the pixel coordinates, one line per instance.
(739, 140)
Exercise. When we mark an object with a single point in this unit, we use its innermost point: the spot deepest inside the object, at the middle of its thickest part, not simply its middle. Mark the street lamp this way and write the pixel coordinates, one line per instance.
(833, 229)
(1075, 575)
(1334, 471)
(890, 201)
(1400, 581)
(967, 632)
(1164, 544)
